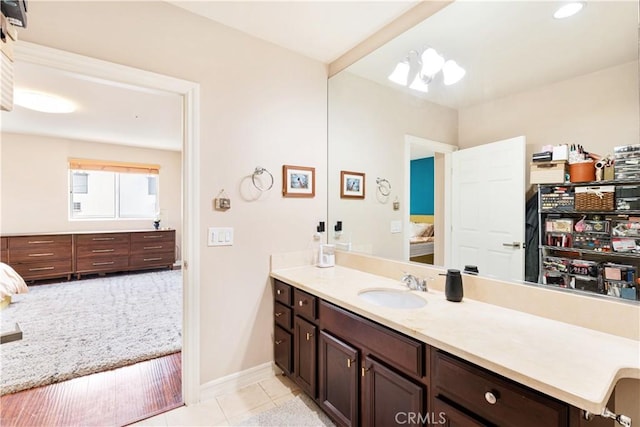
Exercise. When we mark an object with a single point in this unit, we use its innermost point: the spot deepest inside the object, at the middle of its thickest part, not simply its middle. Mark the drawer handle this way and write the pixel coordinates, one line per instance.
(363, 371)
(104, 263)
(349, 362)
(152, 259)
(278, 291)
(41, 268)
(309, 335)
(490, 398)
(279, 314)
(102, 250)
(47, 254)
(153, 247)
(103, 238)
(151, 237)
(302, 302)
(278, 342)
(35, 242)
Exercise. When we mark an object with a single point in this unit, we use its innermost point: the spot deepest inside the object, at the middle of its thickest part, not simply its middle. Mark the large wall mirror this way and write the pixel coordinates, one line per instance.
(530, 80)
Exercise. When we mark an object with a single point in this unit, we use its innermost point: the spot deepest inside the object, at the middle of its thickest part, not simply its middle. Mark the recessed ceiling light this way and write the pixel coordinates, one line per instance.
(43, 102)
(568, 9)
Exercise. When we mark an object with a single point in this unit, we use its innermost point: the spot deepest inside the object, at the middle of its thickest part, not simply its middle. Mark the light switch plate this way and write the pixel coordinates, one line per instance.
(396, 226)
(220, 236)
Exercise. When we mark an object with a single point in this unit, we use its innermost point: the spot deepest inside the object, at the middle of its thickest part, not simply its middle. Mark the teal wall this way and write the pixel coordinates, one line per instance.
(422, 190)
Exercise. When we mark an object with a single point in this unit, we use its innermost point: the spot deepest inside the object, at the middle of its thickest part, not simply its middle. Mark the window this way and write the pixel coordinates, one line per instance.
(112, 190)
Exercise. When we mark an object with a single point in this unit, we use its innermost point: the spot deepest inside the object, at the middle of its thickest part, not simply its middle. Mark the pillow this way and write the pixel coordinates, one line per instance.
(428, 232)
(418, 228)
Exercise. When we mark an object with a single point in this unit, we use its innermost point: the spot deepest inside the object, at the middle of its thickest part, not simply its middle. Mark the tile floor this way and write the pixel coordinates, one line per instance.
(232, 408)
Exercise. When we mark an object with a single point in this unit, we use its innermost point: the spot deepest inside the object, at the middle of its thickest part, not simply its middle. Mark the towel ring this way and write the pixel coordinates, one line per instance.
(260, 171)
(384, 187)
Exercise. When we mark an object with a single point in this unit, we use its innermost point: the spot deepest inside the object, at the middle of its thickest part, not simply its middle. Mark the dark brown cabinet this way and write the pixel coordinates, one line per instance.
(339, 379)
(448, 416)
(283, 350)
(4, 243)
(41, 256)
(304, 351)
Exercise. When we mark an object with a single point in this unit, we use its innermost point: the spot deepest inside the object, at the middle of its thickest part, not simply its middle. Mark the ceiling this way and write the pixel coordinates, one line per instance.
(112, 113)
(522, 47)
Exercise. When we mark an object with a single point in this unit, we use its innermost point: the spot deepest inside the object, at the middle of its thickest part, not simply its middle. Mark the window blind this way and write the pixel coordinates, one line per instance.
(110, 166)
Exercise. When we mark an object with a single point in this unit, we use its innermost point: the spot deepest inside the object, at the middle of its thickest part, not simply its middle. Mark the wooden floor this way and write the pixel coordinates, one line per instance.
(112, 398)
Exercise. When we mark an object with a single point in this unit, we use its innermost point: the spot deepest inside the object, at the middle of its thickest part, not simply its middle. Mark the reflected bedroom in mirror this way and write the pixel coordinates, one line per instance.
(476, 128)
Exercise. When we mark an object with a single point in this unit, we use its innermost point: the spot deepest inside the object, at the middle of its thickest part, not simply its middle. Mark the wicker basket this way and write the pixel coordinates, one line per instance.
(594, 198)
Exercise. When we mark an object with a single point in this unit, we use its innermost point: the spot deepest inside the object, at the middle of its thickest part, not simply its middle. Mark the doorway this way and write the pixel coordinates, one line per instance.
(188, 92)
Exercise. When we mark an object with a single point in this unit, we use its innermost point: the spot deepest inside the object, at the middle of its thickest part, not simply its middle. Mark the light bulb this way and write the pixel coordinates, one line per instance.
(400, 74)
(432, 62)
(568, 10)
(452, 72)
(419, 85)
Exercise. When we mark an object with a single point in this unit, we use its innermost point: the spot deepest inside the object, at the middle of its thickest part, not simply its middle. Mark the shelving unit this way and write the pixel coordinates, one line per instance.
(595, 249)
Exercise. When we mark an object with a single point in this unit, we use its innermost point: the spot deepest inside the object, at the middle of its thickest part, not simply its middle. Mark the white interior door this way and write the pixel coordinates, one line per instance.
(488, 208)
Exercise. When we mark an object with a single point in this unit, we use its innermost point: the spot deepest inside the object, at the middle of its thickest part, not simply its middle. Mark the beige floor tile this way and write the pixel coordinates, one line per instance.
(236, 419)
(208, 414)
(157, 421)
(285, 397)
(242, 401)
(278, 386)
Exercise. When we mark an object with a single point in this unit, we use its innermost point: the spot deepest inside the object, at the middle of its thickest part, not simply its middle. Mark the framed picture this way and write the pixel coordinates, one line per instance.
(351, 185)
(298, 181)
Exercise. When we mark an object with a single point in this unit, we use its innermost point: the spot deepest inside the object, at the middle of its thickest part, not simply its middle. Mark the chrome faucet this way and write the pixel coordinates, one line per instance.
(414, 283)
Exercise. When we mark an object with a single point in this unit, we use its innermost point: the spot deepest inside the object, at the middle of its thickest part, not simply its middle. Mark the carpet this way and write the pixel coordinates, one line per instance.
(76, 328)
(297, 412)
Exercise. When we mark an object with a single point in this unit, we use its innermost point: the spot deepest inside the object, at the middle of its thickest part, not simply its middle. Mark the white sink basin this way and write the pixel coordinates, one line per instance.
(392, 298)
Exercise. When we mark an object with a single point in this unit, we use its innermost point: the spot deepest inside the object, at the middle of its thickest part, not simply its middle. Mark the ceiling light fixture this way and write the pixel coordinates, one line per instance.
(417, 71)
(568, 9)
(43, 102)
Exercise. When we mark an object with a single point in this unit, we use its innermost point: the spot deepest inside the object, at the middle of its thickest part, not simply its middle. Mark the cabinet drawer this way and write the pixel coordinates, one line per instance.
(493, 398)
(282, 292)
(101, 238)
(152, 246)
(150, 260)
(282, 314)
(153, 236)
(42, 241)
(304, 304)
(45, 252)
(283, 347)
(102, 249)
(448, 416)
(102, 263)
(43, 269)
(388, 345)
(4, 246)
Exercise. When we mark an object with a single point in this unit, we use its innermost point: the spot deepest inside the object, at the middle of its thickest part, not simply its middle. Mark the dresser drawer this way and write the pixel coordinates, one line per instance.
(43, 269)
(151, 260)
(494, 398)
(102, 263)
(39, 242)
(153, 236)
(152, 246)
(88, 240)
(101, 249)
(390, 346)
(282, 315)
(59, 251)
(283, 293)
(4, 246)
(304, 304)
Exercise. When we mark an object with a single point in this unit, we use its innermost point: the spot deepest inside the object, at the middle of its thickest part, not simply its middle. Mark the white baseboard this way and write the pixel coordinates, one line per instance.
(234, 382)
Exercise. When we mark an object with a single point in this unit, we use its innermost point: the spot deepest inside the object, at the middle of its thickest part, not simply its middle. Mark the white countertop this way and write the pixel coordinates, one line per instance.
(577, 365)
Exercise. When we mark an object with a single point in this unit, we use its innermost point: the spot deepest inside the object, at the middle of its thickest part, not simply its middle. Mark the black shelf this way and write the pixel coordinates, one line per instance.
(592, 183)
(567, 211)
(588, 251)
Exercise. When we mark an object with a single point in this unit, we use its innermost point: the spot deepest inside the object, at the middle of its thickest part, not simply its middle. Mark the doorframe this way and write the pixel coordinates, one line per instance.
(439, 211)
(190, 93)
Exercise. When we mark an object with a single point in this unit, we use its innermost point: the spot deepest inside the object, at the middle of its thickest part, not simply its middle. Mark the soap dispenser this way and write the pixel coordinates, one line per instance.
(453, 286)
(326, 256)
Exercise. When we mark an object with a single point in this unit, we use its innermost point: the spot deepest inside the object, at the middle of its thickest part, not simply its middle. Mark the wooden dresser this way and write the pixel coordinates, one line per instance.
(45, 256)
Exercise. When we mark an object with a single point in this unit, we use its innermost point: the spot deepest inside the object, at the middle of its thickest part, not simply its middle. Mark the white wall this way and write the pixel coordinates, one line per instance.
(35, 184)
(368, 125)
(261, 105)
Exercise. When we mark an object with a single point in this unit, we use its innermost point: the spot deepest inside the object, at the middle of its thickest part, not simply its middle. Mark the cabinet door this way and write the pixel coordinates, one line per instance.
(304, 352)
(389, 398)
(282, 347)
(448, 416)
(338, 379)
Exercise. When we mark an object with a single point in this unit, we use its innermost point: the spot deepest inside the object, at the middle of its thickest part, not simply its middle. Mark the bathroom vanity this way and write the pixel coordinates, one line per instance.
(467, 364)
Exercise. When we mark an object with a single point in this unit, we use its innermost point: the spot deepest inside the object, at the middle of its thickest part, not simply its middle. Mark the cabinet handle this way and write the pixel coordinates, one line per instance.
(35, 242)
(349, 361)
(515, 245)
(364, 371)
(151, 237)
(279, 314)
(41, 268)
(302, 302)
(278, 342)
(104, 263)
(490, 398)
(309, 335)
(153, 247)
(103, 238)
(47, 254)
(152, 259)
(278, 291)
(102, 250)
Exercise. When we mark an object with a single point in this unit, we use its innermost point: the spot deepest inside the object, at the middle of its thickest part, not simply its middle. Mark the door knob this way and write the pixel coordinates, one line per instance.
(515, 245)
(490, 398)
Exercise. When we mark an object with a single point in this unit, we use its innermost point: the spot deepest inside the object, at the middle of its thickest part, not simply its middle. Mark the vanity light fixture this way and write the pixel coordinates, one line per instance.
(569, 9)
(417, 71)
(43, 102)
